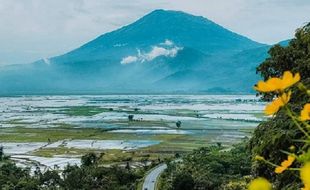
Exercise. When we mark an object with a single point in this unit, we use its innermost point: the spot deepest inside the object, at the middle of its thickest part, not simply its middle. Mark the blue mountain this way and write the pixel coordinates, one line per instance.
(164, 51)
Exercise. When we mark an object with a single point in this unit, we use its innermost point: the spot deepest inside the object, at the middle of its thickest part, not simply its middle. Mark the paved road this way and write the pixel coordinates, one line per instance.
(150, 179)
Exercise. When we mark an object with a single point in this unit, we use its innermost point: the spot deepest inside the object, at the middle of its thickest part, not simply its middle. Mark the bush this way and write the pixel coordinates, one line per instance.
(209, 167)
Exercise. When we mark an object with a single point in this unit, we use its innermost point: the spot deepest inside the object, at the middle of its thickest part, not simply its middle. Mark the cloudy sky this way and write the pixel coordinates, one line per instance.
(34, 29)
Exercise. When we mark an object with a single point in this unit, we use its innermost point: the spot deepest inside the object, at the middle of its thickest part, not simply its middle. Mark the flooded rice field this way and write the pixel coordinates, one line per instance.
(57, 130)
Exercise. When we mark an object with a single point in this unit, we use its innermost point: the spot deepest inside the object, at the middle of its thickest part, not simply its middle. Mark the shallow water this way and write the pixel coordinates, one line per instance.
(217, 118)
(45, 109)
(205, 112)
(150, 131)
(110, 144)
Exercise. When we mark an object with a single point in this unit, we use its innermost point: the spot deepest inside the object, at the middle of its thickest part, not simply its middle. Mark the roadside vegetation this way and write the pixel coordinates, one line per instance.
(211, 167)
(90, 175)
(278, 154)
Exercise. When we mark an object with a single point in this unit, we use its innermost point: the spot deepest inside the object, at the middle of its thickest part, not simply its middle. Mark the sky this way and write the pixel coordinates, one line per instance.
(36, 29)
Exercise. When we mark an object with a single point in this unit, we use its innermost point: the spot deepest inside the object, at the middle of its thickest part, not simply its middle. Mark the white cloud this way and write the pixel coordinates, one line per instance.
(161, 51)
(129, 59)
(156, 51)
(167, 43)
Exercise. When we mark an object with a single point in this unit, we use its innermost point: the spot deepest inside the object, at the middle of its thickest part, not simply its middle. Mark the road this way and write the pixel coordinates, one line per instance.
(150, 179)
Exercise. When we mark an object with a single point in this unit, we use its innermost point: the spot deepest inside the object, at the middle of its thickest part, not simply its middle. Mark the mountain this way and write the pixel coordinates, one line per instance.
(284, 43)
(164, 51)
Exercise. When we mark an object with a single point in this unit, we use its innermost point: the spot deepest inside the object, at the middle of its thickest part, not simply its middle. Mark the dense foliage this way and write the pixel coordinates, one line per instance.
(209, 168)
(279, 133)
(90, 175)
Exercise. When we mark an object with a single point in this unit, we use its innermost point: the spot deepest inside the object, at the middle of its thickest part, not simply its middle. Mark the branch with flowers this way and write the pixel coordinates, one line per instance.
(282, 88)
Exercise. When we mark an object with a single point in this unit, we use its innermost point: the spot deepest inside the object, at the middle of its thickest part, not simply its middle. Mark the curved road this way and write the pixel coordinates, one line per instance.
(150, 179)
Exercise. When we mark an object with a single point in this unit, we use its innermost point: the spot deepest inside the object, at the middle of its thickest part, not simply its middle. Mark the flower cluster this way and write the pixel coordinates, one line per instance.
(278, 84)
(281, 87)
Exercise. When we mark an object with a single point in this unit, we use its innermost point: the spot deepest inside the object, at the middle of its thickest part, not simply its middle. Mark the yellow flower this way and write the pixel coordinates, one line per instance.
(274, 106)
(285, 164)
(305, 175)
(260, 184)
(288, 79)
(270, 85)
(306, 188)
(305, 113)
(274, 84)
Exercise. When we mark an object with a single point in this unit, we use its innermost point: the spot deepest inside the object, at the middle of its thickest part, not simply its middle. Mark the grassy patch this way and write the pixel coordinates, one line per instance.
(107, 156)
(17, 134)
(144, 123)
(93, 110)
(84, 110)
(50, 152)
(17, 122)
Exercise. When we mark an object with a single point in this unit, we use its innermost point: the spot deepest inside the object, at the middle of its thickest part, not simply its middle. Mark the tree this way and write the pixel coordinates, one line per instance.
(130, 117)
(1, 153)
(127, 167)
(50, 179)
(279, 133)
(74, 177)
(89, 159)
(210, 168)
(295, 57)
(183, 181)
(13, 177)
(88, 176)
(219, 144)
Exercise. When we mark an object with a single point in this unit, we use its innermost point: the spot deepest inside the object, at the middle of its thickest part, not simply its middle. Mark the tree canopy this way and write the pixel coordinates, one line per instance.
(276, 135)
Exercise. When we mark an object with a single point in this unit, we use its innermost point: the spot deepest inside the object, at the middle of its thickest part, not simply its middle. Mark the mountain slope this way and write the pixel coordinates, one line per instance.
(181, 28)
(163, 51)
